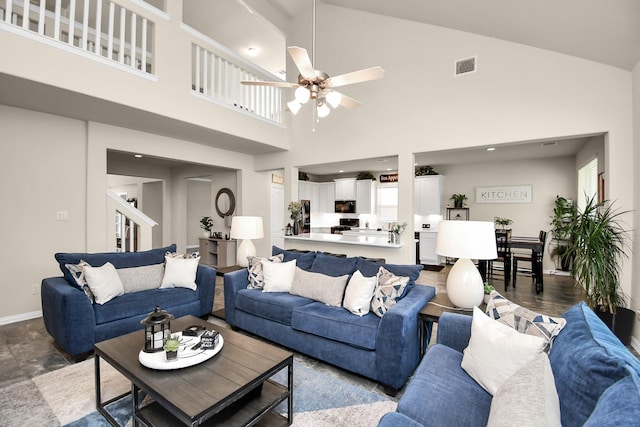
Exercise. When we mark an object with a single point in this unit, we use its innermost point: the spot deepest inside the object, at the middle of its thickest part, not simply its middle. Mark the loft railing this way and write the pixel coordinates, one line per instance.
(131, 228)
(217, 73)
(96, 26)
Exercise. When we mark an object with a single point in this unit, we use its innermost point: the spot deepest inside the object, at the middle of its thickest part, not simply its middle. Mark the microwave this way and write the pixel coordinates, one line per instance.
(345, 206)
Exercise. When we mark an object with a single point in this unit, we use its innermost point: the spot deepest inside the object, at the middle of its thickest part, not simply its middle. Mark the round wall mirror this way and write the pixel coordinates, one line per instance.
(225, 202)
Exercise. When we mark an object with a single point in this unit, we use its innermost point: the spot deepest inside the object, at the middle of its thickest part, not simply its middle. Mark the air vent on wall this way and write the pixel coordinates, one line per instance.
(465, 66)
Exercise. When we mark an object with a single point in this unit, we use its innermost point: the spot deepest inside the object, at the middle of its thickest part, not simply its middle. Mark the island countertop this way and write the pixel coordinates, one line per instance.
(363, 240)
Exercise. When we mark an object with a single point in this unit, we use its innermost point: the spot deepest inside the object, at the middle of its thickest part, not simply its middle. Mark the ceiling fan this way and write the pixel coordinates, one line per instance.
(317, 85)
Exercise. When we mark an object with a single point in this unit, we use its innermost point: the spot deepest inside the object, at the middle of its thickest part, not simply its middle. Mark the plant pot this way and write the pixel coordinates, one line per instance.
(206, 234)
(486, 298)
(171, 355)
(457, 204)
(620, 323)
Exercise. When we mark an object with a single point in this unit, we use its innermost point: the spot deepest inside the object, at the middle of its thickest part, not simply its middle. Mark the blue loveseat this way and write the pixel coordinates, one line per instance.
(597, 379)
(76, 323)
(384, 349)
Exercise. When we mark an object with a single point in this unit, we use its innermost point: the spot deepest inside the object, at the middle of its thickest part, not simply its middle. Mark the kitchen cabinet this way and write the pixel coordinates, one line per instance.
(428, 195)
(428, 248)
(307, 191)
(365, 196)
(345, 189)
(326, 197)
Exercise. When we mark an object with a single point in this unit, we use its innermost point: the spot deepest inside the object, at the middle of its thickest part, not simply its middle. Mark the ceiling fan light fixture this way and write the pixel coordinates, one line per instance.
(294, 106)
(334, 99)
(302, 94)
(323, 109)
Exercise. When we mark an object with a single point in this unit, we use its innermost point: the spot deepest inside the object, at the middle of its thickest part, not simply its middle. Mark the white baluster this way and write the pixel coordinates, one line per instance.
(72, 21)
(41, 17)
(56, 24)
(110, 35)
(9, 11)
(122, 42)
(205, 72)
(98, 39)
(85, 25)
(132, 37)
(25, 14)
(144, 46)
(197, 65)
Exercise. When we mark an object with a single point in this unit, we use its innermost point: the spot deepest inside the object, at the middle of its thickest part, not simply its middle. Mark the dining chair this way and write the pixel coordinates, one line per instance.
(529, 257)
(504, 256)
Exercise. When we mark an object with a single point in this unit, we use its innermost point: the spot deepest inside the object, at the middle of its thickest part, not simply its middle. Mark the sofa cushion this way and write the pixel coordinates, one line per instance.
(389, 290)
(278, 277)
(496, 351)
(180, 273)
(118, 259)
(358, 294)
(276, 306)
(336, 324)
(136, 279)
(368, 268)
(104, 282)
(254, 266)
(586, 359)
(441, 393)
(303, 260)
(524, 320)
(619, 405)
(77, 272)
(142, 303)
(333, 266)
(319, 287)
(528, 398)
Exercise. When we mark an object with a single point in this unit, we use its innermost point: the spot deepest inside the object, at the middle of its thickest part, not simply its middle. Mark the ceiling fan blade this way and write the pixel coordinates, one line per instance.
(367, 74)
(349, 102)
(301, 58)
(276, 84)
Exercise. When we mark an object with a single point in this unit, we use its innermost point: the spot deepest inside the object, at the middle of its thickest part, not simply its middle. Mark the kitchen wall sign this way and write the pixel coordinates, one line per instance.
(389, 177)
(505, 194)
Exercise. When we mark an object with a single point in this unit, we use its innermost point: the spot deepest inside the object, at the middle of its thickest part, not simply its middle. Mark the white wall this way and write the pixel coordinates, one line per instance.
(635, 290)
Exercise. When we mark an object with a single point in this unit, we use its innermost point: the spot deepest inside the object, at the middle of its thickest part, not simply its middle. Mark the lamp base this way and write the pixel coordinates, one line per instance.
(246, 249)
(464, 284)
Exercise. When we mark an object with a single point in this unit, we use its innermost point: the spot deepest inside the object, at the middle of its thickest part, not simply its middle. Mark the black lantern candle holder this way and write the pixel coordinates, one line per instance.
(157, 328)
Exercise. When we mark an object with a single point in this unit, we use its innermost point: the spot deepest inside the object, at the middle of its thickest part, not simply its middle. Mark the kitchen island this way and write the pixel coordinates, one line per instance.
(351, 245)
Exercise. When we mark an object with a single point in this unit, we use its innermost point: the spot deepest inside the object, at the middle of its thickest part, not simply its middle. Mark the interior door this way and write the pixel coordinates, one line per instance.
(277, 215)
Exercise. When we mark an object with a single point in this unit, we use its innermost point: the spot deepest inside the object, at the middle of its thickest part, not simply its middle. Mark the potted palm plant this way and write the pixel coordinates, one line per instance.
(502, 222)
(458, 200)
(563, 214)
(599, 242)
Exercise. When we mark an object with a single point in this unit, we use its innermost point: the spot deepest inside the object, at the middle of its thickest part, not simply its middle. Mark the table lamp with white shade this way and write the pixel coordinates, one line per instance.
(246, 228)
(466, 240)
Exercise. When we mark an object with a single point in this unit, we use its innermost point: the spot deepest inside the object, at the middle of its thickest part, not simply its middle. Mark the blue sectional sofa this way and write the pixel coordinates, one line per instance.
(76, 323)
(384, 349)
(597, 379)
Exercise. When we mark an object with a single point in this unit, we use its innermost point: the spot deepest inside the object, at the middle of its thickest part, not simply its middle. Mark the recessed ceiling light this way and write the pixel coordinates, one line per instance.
(252, 51)
(340, 171)
(137, 156)
(389, 169)
(491, 149)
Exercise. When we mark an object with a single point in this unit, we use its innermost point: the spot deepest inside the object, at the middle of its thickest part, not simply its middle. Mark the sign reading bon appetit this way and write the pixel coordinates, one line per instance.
(505, 194)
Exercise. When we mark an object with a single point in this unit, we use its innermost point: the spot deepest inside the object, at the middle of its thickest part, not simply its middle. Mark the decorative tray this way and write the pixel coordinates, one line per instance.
(186, 356)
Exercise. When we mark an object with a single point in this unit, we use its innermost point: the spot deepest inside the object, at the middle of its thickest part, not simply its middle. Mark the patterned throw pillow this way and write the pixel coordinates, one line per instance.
(388, 291)
(178, 255)
(254, 265)
(524, 320)
(77, 271)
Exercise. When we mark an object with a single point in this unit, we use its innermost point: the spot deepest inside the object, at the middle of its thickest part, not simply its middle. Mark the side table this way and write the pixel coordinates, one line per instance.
(431, 313)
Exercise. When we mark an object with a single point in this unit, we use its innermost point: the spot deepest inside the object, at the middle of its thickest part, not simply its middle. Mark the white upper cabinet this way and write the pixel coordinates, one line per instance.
(365, 196)
(345, 189)
(326, 197)
(428, 195)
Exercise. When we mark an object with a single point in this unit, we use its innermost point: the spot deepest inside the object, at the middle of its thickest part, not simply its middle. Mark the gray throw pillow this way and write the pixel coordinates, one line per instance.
(319, 287)
(136, 279)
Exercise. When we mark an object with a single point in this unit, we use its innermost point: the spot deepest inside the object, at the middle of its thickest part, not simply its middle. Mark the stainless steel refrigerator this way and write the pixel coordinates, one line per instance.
(306, 216)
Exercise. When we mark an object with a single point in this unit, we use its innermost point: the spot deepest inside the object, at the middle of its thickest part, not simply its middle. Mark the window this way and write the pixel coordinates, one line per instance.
(587, 182)
(388, 202)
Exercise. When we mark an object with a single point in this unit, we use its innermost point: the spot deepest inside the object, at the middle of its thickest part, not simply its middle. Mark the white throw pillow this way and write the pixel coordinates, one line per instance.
(180, 273)
(104, 282)
(357, 297)
(496, 351)
(278, 276)
(528, 398)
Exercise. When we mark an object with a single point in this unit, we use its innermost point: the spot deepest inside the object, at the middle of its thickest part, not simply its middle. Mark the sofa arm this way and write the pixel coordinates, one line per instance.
(233, 282)
(397, 346)
(68, 315)
(206, 286)
(454, 330)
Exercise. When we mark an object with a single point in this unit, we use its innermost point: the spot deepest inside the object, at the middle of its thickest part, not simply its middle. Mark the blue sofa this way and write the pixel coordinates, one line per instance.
(76, 324)
(384, 349)
(597, 379)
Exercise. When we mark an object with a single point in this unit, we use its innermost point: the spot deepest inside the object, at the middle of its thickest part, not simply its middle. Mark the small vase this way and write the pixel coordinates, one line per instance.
(296, 228)
(394, 238)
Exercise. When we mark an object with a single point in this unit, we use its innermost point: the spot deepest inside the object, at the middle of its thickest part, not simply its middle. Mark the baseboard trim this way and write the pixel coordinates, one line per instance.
(20, 317)
(635, 344)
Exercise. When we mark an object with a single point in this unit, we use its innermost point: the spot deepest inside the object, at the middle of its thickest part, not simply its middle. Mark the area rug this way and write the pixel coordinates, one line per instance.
(66, 397)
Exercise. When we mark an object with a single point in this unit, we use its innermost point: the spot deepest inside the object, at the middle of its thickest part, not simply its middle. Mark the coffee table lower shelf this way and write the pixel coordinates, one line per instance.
(255, 406)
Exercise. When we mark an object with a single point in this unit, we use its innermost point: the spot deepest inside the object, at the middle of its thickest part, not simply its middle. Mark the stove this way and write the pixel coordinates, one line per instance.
(345, 225)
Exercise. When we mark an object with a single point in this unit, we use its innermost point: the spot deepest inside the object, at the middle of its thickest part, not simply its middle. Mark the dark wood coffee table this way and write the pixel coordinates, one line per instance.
(233, 388)
(431, 313)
